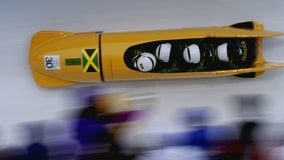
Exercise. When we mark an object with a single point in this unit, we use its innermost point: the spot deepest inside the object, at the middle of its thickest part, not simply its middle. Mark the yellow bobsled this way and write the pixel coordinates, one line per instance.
(62, 58)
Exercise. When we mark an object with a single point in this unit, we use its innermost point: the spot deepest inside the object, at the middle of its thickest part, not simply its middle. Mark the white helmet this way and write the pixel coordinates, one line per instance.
(191, 54)
(222, 52)
(163, 52)
(145, 62)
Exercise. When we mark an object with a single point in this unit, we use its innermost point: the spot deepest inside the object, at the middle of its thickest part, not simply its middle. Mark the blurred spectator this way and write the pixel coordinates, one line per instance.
(220, 138)
(36, 149)
(59, 143)
(96, 131)
(91, 131)
(246, 146)
(190, 144)
(198, 120)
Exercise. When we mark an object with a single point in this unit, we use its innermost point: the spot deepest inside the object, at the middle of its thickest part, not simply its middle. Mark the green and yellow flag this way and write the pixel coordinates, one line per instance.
(90, 59)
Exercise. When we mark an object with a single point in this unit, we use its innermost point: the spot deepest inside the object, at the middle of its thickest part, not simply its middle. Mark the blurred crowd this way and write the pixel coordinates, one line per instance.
(94, 133)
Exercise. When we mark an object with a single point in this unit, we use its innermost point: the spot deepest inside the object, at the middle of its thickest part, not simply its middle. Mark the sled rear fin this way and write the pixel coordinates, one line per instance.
(49, 82)
(43, 36)
(256, 70)
(271, 65)
(245, 25)
(249, 25)
(260, 68)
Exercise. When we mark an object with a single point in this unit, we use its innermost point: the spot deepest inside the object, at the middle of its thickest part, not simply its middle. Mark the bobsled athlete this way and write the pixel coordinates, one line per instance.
(199, 56)
(235, 53)
(144, 62)
(169, 58)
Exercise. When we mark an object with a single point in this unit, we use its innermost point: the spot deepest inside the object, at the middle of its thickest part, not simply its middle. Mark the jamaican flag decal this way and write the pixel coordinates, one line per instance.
(90, 58)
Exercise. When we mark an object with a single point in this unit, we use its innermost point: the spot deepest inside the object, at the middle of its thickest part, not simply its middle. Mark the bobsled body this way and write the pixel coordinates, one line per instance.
(62, 58)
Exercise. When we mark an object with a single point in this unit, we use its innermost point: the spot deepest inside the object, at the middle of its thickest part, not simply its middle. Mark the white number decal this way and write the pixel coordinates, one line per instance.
(52, 62)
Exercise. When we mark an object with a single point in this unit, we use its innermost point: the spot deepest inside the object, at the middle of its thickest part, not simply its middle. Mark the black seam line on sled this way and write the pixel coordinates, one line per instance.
(100, 58)
(188, 53)
(159, 51)
(152, 61)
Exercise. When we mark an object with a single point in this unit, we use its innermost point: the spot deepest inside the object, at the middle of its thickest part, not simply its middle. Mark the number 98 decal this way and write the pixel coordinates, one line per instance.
(52, 62)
